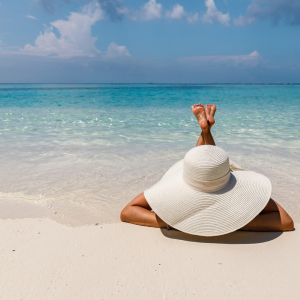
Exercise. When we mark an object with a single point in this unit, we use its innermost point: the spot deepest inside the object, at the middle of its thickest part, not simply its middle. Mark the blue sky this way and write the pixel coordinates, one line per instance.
(205, 41)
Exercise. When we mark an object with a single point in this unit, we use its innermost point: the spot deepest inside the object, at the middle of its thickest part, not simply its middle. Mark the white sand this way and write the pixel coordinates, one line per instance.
(123, 261)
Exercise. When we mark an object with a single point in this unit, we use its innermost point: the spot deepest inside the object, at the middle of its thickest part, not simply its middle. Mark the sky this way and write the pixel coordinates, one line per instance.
(159, 41)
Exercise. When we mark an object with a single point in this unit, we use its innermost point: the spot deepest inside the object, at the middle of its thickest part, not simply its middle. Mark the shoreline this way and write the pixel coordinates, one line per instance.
(85, 190)
(42, 259)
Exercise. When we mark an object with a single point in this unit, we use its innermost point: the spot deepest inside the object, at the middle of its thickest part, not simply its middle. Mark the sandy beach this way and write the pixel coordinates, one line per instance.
(41, 259)
(99, 99)
(71, 164)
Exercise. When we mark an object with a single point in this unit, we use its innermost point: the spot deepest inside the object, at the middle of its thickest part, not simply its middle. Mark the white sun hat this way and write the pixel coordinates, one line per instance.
(201, 195)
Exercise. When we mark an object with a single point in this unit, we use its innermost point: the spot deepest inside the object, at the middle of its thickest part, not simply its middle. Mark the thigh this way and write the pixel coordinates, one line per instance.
(270, 207)
(141, 201)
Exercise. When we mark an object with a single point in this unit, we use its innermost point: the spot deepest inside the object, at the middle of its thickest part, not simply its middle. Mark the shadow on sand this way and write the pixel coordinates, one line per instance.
(237, 237)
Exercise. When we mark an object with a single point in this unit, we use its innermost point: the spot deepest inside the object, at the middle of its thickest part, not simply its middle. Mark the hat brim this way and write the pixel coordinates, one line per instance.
(209, 214)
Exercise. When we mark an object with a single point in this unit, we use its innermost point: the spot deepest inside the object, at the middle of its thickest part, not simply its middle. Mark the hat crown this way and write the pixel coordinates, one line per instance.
(206, 163)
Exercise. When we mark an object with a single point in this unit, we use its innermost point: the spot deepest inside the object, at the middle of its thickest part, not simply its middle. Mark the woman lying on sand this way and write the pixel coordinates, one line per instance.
(204, 194)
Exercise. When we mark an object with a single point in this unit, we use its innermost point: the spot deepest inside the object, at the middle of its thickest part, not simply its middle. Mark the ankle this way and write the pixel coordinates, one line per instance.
(206, 132)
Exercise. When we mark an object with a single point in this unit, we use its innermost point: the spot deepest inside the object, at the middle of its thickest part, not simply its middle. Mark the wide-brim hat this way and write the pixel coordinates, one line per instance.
(201, 195)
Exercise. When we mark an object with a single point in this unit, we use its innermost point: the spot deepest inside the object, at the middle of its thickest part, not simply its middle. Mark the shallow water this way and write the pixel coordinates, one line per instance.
(79, 153)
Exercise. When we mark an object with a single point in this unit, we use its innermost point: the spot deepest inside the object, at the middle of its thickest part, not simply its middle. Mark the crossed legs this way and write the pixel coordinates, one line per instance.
(272, 218)
(205, 118)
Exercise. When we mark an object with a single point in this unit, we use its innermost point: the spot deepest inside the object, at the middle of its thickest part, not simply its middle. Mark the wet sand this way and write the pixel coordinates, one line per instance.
(82, 186)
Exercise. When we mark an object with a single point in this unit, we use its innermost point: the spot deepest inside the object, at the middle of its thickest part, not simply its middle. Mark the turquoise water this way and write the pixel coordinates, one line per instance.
(94, 146)
(121, 114)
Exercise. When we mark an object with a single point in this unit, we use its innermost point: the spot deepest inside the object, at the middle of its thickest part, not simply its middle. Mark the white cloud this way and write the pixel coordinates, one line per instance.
(212, 14)
(31, 17)
(114, 51)
(177, 12)
(151, 10)
(75, 35)
(250, 59)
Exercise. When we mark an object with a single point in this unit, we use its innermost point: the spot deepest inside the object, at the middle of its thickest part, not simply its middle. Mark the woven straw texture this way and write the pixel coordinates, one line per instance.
(208, 214)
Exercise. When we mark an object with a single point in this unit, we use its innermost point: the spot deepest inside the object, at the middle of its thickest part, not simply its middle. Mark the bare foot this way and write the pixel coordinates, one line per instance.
(199, 112)
(210, 112)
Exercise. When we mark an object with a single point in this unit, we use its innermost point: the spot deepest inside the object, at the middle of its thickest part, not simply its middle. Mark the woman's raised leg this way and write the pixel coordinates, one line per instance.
(139, 212)
(205, 118)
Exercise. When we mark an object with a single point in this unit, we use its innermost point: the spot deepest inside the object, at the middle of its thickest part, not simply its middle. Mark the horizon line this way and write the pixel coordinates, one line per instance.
(235, 83)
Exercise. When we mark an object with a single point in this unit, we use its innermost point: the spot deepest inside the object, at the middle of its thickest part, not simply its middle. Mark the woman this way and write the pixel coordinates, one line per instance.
(206, 195)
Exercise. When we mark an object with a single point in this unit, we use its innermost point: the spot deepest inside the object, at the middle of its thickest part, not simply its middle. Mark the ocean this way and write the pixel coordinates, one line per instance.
(78, 153)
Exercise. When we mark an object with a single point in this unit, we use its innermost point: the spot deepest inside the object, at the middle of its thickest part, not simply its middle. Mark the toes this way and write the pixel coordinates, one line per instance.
(208, 106)
(195, 106)
(211, 106)
(211, 109)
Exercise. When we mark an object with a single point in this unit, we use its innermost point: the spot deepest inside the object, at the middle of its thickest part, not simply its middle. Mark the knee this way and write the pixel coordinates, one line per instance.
(287, 224)
(124, 214)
